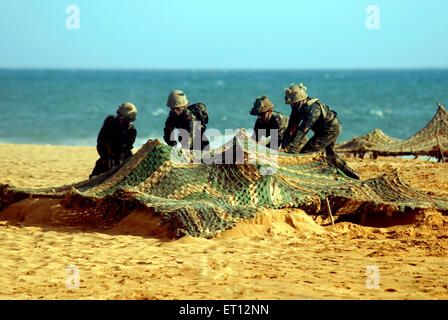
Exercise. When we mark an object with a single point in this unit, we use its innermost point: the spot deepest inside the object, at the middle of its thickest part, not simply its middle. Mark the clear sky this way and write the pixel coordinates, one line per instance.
(242, 34)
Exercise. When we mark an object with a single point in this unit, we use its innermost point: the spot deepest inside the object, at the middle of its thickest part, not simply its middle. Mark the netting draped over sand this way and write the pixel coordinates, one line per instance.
(202, 196)
(432, 140)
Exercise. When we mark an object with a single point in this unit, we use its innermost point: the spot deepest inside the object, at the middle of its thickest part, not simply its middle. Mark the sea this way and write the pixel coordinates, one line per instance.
(68, 107)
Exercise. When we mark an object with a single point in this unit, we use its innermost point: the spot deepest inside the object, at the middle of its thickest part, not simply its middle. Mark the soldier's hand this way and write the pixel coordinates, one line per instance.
(292, 149)
(110, 163)
(107, 163)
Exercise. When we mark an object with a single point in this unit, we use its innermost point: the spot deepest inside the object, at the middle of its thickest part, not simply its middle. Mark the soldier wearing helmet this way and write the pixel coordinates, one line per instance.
(116, 139)
(311, 114)
(183, 116)
(267, 121)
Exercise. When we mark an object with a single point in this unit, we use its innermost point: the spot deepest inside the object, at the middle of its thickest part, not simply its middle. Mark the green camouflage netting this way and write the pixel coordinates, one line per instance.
(432, 141)
(202, 195)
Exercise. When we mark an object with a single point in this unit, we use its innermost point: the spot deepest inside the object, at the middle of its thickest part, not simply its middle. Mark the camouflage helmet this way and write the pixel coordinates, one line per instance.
(128, 111)
(261, 105)
(177, 99)
(295, 93)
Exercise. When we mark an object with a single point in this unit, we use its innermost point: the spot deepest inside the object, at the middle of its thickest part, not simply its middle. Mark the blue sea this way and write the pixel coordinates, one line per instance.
(68, 107)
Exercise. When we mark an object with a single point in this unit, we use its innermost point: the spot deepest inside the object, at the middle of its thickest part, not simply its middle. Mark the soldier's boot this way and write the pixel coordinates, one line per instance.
(339, 163)
(350, 172)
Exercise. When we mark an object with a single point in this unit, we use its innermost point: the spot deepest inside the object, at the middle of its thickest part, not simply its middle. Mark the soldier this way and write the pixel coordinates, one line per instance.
(192, 119)
(268, 120)
(116, 139)
(308, 113)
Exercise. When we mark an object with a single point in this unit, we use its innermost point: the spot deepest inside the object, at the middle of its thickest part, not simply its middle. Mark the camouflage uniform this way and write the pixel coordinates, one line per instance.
(311, 114)
(317, 117)
(185, 121)
(277, 121)
(114, 144)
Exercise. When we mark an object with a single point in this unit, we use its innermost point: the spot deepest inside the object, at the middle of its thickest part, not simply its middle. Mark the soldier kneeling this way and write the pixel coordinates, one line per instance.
(191, 118)
(116, 139)
(268, 121)
(311, 114)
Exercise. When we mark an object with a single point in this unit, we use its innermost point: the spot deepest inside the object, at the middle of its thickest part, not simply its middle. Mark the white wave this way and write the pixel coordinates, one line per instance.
(160, 111)
(378, 113)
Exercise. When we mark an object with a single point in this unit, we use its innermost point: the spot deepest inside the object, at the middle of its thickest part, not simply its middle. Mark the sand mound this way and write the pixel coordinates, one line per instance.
(143, 223)
(275, 222)
(35, 211)
(353, 230)
(421, 223)
(52, 212)
(433, 219)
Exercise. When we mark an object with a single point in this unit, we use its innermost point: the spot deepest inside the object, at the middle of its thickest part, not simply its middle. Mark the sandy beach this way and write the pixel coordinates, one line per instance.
(282, 254)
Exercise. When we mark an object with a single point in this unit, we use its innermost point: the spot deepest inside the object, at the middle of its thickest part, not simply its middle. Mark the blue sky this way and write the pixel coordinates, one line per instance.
(231, 34)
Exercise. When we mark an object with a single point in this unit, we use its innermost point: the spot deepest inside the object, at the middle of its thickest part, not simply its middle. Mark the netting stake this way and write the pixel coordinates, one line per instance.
(329, 210)
(440, 149)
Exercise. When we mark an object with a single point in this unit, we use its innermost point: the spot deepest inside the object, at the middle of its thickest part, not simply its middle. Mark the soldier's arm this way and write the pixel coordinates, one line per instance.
(283, 124)
(286, 138)
(307, 122)
(169, 127)
(257, 135)
(276, 137)
(188, 126)
(103, 140)
(128, 144)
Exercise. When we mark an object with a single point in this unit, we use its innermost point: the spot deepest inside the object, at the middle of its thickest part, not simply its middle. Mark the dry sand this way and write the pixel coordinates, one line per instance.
(283, 254)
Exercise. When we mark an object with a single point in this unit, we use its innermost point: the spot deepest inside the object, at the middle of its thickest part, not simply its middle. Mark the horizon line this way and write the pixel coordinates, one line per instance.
(221, 69)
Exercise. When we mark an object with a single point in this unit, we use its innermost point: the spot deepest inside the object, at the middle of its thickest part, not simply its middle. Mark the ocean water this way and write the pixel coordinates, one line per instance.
(67, 107)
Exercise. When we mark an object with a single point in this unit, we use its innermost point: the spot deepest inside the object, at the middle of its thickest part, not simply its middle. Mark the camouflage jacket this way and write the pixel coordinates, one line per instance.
(184, 121)
(278, 121)
(114, 140)
(314, 115)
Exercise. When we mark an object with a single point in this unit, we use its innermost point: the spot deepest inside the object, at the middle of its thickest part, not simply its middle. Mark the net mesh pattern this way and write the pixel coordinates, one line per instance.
(432, 140)
(204, 194)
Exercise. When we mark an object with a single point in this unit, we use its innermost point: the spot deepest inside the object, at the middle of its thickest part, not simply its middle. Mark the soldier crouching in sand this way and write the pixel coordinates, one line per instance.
(116, 139)
(308, 113)
(267, 121)
(190, 118)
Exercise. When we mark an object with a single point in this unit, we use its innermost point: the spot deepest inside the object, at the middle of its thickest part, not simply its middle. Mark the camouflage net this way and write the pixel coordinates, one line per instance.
(432, 141)
(362, 145)
(204, 197)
